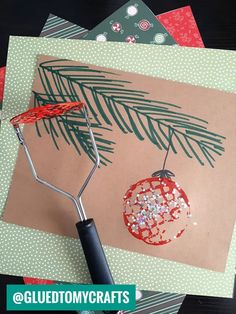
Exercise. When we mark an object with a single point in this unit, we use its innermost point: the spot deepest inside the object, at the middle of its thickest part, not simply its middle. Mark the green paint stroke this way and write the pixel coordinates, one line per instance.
(113, 101)
(73, 129)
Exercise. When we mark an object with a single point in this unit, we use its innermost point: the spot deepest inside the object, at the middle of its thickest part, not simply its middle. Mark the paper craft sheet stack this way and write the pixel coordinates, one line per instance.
(57, 27)
(150, 301)
(128, 264)
(180, 23)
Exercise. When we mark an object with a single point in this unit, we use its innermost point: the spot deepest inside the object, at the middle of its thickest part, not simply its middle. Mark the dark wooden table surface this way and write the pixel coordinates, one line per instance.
(217, 23)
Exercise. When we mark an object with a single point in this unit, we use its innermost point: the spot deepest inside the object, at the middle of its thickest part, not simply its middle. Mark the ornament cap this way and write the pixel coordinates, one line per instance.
(164, 173)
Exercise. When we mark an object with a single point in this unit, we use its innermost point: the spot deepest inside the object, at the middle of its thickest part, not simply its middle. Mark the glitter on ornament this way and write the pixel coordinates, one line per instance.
(150, 220)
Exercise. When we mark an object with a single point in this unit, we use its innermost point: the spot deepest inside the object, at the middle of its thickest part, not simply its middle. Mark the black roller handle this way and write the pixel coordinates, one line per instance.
(97, 263)
(96, 260)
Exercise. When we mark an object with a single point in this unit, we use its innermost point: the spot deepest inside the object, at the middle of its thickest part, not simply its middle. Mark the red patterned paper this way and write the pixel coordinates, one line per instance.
(2, 81)
(181, 24)
(36, 281)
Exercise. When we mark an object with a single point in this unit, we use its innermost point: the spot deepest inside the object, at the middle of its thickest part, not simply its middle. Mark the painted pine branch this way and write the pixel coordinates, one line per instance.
(113, 101)
(73, 129)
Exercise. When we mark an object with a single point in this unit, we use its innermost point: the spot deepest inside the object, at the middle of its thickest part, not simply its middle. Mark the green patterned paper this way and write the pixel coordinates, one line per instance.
(56, 27)
(153, 302)
(37, 254)
(134, 22)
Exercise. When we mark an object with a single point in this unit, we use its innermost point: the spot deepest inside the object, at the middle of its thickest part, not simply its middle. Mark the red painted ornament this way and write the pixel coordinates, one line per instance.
(156, 209)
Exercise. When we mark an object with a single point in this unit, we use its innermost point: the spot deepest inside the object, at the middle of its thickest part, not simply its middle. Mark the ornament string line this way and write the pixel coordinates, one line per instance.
(168, 149)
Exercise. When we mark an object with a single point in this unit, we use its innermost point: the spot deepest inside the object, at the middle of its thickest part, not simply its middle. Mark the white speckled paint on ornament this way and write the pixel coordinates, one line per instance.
(34, 253)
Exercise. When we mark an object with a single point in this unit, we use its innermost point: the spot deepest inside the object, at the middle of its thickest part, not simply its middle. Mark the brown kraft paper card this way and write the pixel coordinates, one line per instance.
(136, 120)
